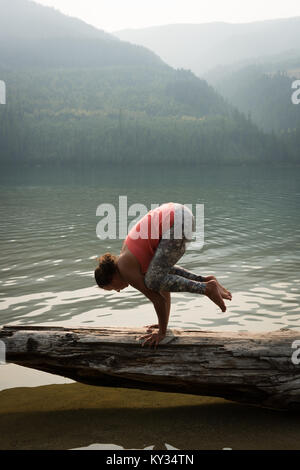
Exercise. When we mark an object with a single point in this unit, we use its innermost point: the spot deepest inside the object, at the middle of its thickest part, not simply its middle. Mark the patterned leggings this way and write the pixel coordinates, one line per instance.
(164, 275)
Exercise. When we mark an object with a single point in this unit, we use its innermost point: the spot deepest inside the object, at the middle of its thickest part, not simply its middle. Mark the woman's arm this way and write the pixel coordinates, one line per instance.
(167, 296)
(130, 272)
(159, 300)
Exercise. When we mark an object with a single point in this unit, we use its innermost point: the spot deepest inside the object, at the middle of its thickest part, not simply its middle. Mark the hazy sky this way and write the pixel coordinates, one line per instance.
(112, 15)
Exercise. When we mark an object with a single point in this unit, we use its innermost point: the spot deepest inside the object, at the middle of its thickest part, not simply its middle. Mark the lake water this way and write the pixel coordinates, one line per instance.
(251, 244)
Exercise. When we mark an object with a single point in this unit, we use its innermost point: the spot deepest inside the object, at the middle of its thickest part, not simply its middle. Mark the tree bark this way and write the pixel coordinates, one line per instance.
(256, 369)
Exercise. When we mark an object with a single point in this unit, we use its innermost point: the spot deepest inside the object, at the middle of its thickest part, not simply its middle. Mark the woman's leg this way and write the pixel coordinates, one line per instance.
(179, 271)
(159, 277)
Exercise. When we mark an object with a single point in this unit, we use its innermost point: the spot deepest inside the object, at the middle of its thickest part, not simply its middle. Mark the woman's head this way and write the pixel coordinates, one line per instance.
(107, 275)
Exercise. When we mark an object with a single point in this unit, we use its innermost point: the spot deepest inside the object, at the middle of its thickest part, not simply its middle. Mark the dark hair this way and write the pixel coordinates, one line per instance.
(105, 271)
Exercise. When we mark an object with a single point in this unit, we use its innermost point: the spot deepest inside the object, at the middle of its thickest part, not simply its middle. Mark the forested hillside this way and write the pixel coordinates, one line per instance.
(264, 91)
(69, 102)
(122, 115)
(37, 36)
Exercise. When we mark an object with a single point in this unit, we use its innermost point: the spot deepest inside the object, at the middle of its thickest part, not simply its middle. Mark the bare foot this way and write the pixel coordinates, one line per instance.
(224, 292)
(213, 292)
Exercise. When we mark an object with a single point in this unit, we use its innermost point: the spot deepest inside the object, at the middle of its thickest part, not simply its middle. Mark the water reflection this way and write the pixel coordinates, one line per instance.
(49, 246)
(78, 416)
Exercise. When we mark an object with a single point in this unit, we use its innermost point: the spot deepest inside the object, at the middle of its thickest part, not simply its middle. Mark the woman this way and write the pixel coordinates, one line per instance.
(148, 260)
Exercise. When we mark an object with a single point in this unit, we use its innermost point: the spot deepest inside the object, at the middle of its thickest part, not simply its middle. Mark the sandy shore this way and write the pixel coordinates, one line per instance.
(74, 415)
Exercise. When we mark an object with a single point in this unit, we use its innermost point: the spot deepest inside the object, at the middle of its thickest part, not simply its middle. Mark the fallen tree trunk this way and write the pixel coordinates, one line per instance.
(248, 368)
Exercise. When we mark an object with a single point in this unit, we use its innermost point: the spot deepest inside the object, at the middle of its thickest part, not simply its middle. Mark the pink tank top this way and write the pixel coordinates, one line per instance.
(143, 239)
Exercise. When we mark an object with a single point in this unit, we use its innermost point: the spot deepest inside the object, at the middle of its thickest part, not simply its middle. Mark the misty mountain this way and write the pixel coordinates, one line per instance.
(28, 19)
(262, 89)
(288, 61)
(125, 115)
(35, 35)
(200, 47)
(83, 99)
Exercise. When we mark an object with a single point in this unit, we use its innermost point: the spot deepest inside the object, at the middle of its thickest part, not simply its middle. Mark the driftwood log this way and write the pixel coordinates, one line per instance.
(248, 368)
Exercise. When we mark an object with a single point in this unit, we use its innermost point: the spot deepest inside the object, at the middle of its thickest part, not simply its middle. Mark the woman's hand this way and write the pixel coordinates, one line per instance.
(151, 327)
(153, 338)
